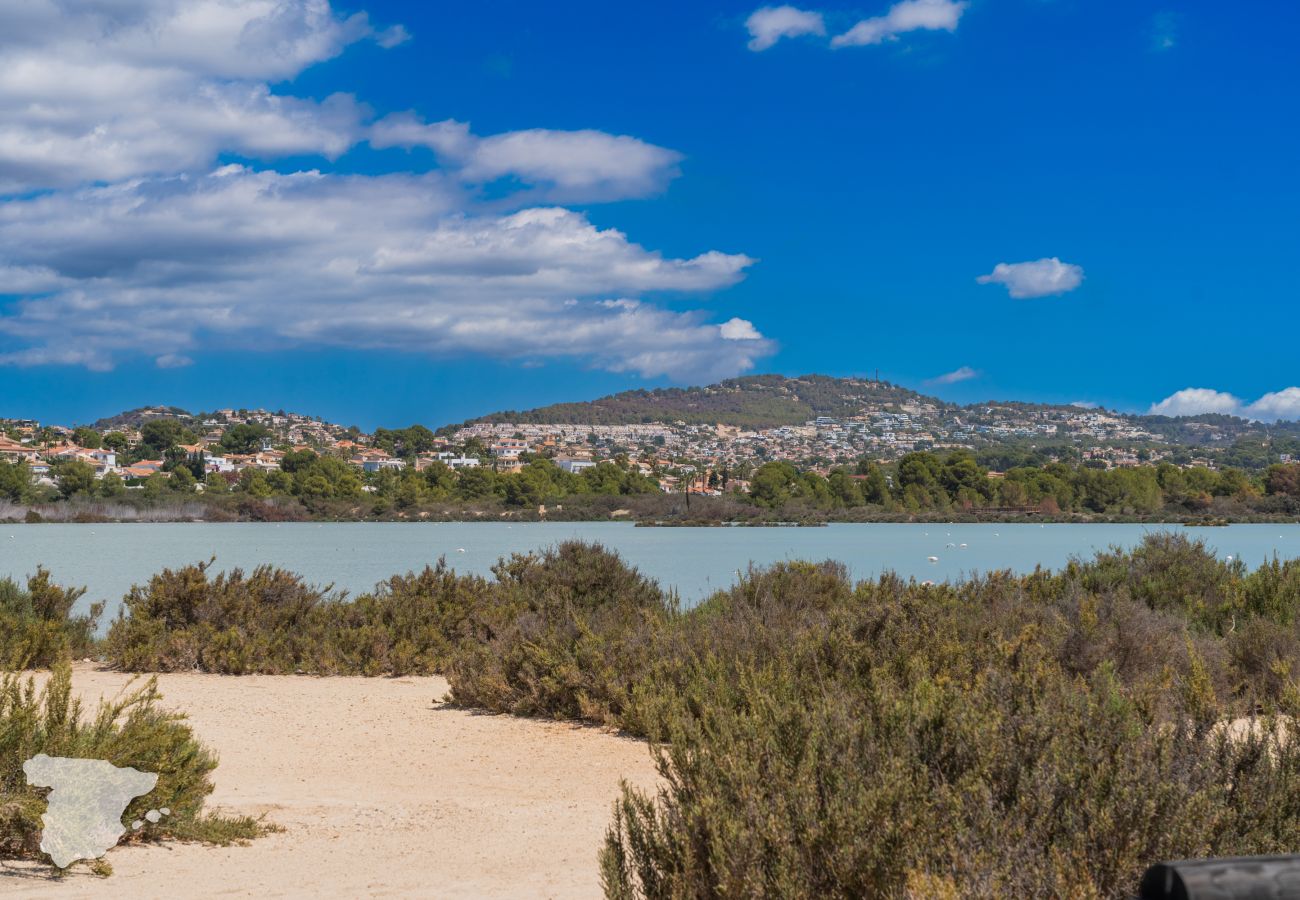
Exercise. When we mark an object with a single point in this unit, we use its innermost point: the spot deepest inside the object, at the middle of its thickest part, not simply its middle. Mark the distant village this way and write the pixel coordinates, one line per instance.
(679, 456)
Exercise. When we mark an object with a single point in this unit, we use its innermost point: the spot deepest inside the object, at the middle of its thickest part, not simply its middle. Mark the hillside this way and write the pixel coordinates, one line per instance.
(755, 401)
(134, 418)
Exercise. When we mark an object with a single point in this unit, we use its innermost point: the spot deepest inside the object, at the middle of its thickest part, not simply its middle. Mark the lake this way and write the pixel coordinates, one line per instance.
(108, 558)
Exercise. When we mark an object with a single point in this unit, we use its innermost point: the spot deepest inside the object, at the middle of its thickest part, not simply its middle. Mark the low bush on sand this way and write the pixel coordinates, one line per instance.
(129, 731)
(37, 627)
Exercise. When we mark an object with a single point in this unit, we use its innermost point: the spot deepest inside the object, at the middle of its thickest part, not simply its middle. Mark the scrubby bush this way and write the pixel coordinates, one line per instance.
(131, 731)
(37, 627)
(410, 624)
(567, 633)
(570, 600)
(232, 623)
(1044, 735)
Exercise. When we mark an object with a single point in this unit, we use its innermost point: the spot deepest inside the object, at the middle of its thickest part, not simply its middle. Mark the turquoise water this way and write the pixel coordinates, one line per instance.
(108, 559)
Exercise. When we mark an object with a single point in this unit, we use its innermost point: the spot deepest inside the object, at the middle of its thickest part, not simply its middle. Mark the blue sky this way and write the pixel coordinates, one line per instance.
(518, 203)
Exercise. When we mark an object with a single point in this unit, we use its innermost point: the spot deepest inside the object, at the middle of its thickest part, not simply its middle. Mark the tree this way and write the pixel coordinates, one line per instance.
(155, 486)
(297, 459)
(182, 481)
(215, 483)
(115, 441)
(244, 438)
(15, 482)
(87, 437)
(815, 490)
(875, 489)
(772, 484)
(254, 483)
(112, 485)
(441, 479)
(476, 483)
(157, 436)
(1283, 479)
(75, 479)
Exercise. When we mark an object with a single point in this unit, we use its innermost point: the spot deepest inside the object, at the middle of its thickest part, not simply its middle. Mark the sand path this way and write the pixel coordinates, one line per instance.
(382, 791)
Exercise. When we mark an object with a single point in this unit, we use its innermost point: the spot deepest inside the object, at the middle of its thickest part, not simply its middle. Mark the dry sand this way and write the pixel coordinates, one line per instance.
(382, 792)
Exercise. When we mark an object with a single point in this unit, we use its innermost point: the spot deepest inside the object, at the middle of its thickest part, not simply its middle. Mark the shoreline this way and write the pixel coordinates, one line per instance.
(513, 518)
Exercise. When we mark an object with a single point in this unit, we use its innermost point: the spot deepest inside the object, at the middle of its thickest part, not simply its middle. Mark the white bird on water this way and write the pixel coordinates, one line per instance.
(460, 549)
(932, 558)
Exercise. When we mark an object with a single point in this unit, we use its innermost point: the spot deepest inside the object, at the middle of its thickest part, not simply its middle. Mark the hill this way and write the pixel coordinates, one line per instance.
(754, 401)
(134, 418)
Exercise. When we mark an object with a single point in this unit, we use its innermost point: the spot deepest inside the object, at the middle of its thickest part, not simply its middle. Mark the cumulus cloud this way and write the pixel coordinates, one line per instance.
(965, 373)
(102, 91)
(770, 24)
(572, 165)
(1041, 278)
(117, 238)
(739, 330)
(1195, 402)
(1283, 404)
(908, 15)
(397, 262)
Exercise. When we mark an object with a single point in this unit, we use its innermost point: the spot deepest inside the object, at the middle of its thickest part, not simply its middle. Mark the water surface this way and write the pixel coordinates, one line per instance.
(108, 558)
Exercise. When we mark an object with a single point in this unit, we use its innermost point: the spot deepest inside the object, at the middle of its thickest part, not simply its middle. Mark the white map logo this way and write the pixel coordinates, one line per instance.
(84, 816)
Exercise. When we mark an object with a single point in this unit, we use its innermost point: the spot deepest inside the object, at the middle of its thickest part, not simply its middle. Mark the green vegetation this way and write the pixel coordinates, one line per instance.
(132, 730)
(958, 483)
(754, 401)
(37, 628)
(1041, 735)
(270, 621)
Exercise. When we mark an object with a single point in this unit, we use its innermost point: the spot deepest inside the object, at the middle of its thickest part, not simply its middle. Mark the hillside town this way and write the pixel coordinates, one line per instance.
(677, 455)
(882, 434)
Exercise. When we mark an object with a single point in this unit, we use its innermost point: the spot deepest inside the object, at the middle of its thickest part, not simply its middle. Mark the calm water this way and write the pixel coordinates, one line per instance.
(108, 559)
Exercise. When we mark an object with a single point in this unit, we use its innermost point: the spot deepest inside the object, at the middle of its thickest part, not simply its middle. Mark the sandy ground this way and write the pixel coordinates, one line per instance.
(382, 792)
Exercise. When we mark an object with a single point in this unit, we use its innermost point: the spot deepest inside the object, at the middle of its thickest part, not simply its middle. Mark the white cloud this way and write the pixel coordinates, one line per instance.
(1283, 404)
(571, 165)
(739, 330)
(908, 15)
(118, 240)
(1041, 278)
(101, 91)
(965, 373)
(259, 259)
(770, 24)
(173, 361)
(1197, 401)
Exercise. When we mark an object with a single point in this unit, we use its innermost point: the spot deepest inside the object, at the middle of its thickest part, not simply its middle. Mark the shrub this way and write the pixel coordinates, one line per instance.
(37, 628)
(410, 624)
(129, 731)
(1024, 782)
(231, 623)
(567, 633)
